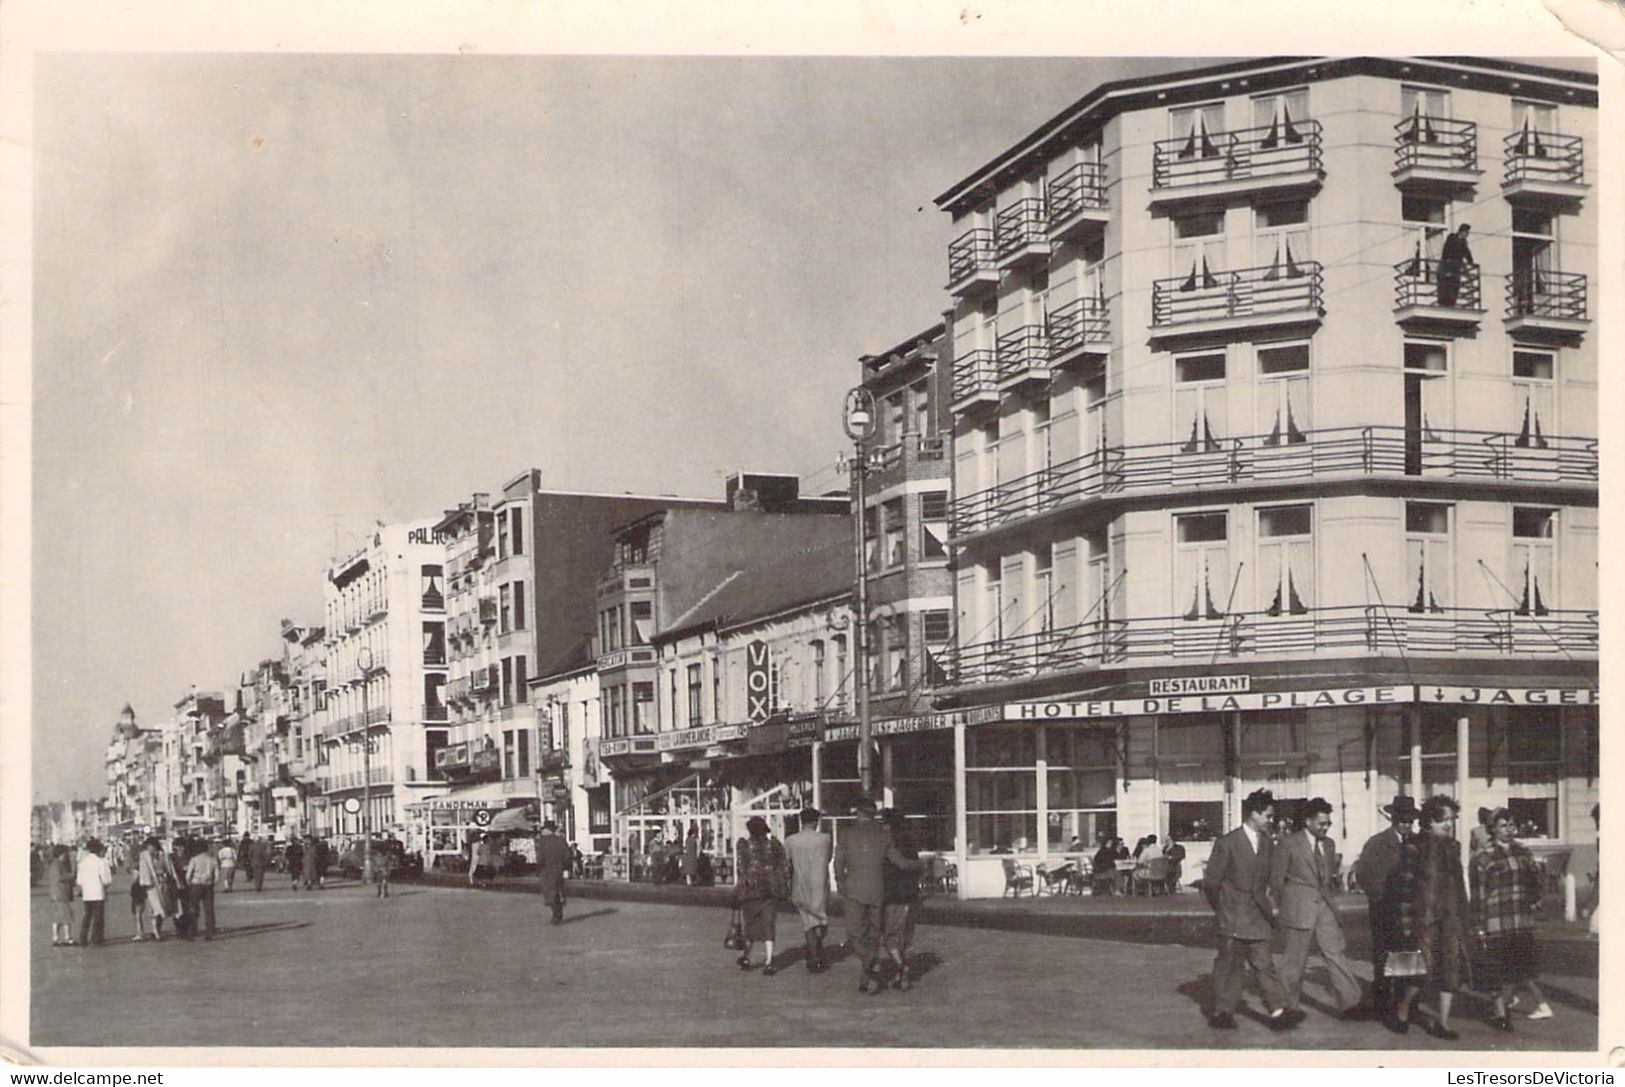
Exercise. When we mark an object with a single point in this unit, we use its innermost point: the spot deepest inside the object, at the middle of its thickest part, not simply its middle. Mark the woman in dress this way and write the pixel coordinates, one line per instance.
(1432, 914)
(763, 879)
(60, 879)
(159, 884)
(1507, 884)
(902, 897)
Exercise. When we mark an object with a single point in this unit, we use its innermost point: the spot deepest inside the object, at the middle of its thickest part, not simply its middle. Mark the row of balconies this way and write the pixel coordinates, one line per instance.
(1356, 629)
(1280, 458)
(1537, 301)
(354, 779)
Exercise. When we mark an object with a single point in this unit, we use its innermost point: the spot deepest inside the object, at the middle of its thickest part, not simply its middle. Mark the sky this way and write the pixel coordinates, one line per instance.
(279, 297)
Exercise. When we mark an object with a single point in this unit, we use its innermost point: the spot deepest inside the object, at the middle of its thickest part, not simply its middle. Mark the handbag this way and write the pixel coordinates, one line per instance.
(1404, 964)
(735, 940)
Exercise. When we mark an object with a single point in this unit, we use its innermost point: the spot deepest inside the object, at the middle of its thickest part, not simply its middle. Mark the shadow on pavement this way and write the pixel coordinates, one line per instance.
(573, 918)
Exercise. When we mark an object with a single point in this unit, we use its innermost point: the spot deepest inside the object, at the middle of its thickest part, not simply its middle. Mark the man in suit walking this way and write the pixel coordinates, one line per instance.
(1374, 872)
(1303, 869)
(860, 862)
(1236, 883)
(809, 850)
(552, 862)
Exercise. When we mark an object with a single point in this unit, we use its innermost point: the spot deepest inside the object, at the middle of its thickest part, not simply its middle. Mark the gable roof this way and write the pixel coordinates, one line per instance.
(784, 582)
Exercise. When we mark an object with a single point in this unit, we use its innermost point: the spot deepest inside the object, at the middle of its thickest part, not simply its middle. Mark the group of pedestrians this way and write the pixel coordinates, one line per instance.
(1426, 931)
(876, 873)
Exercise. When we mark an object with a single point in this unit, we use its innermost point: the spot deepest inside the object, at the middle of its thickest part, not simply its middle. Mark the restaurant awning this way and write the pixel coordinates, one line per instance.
(512, 820)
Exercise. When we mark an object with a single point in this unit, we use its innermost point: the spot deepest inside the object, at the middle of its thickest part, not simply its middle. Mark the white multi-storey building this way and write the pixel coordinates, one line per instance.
(1257, 482)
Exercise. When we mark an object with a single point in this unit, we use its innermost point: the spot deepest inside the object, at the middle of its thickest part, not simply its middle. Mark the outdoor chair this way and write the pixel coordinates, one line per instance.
(1078, 878)
(1017, 878)
(1055, 880)
(1151, 877)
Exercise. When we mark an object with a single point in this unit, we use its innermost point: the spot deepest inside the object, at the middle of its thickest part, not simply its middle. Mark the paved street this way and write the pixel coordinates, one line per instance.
(446, 967)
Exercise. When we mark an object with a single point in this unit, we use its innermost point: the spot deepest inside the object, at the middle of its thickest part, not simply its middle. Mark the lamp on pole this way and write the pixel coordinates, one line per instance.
(364, 661)
(859, 420)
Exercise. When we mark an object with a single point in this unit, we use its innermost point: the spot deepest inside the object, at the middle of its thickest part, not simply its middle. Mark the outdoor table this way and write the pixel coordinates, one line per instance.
(1125, 875)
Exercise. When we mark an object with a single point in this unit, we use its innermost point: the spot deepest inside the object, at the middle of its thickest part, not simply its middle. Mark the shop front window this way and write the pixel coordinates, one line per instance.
(1195, 820)
(923, 788)
(1082, 787)
(1001, 790)
(1190, 771)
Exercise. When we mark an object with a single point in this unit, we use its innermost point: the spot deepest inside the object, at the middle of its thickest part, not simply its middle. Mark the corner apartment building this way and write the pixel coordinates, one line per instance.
(519, 577)
(132, 753)
(384, 606)
(1254, 484)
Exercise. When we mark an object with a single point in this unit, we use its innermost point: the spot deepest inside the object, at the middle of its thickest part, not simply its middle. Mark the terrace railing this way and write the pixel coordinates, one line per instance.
(1206, 295)
(1210, 158)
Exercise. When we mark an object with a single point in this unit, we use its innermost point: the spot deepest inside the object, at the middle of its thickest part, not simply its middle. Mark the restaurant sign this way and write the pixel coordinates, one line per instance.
(699, 737)
(1199, 685)
(1320, 698)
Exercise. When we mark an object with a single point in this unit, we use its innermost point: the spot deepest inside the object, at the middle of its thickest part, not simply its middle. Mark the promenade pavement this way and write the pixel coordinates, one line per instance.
(444, 966)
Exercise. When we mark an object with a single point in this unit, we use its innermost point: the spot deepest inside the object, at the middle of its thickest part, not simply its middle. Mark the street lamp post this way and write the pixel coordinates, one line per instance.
(364, 660)
(859, 420)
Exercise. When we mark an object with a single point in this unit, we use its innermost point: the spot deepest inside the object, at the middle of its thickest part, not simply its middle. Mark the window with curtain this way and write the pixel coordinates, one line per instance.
(1283, 394)
(1533, 396)
(1200, 402)
(1201, 565)
(1281, 116)
(1286, 560)
(1534, 559)
(1427, 556)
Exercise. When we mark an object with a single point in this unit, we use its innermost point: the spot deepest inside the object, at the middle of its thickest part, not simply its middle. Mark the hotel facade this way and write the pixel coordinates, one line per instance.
(1256, 482)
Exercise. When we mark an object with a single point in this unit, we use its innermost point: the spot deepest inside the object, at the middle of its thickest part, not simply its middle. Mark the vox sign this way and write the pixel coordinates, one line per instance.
(757, 686)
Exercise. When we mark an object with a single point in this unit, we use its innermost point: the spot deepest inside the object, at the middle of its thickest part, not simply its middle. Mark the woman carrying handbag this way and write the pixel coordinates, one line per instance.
(1433, 917)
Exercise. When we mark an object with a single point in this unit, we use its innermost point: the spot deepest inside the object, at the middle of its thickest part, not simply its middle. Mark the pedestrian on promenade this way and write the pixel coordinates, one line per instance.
(1482, 836)
(294, 858)
(1432, 915)
(902, 896)
(94, 877)
(860, 874)
(383, 866)
(312, 858)
(1453, 262)
(1236, 883)
(809, 851)
(1303, 874)
(180, 853)
(324, 857)
(158, 882)
(260, 860)
(1507, 884)
(691, 857)
(553, 862)
(60, 878)
(1104, 868)
(228, 863)
(478, 853)
(763, 880)
(1377, 873)
(1175, 854)
(202, 870)
(245, 857)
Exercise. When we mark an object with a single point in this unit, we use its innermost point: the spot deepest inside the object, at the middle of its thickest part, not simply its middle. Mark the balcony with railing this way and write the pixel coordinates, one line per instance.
(1540, 302)
(1281, 457)
(488, 609)
(1543, 169)
(1434, 154)
(976, 380)
(1356, 629)
(916, 456)
(1425, 300)
(1077, 201)
(1022, 357)
(1022, 234)
(1209, 302)
(972, 263)
(1078, 331)
(355, 779)
(1280, 159)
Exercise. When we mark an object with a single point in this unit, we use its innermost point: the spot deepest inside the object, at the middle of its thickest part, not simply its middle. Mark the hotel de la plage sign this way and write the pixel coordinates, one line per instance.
(1224, 694)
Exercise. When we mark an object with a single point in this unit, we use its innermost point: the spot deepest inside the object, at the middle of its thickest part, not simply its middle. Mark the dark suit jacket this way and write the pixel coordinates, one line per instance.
(1301, 881)
(1377, 863)
(1237, 885)
(860, 861)
(552, 862)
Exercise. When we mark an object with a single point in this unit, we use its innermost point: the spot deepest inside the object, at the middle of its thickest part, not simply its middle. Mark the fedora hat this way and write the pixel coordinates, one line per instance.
(1403, 807)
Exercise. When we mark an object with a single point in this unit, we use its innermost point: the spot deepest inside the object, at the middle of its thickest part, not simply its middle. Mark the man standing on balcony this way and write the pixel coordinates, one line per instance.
(1237, 885)
(1452, 262)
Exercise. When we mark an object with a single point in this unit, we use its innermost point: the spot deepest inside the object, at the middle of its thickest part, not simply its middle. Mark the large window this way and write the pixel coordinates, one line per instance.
(1286, 560)
(934, 525)
(505, 609)
(1201, 565)
(517, 517)
(643, 707)
(1001, 782)
(1082, 785)
(519, 605)
(1190, 752)
(1200, 402)
(1427, 557)
(1534, 559)
(696, 691)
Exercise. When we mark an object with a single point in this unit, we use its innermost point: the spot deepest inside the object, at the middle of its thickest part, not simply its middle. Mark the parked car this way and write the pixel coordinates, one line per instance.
(407, 865)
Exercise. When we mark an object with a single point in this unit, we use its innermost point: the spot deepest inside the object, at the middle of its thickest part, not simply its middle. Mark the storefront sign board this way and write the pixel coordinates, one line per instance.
(1175, 685)
(1318, 698)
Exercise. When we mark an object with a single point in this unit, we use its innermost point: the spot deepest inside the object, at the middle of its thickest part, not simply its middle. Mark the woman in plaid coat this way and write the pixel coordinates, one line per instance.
(1507, 883)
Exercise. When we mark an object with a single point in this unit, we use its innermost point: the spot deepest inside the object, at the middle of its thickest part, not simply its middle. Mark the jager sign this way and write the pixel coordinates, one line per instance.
(757, 686)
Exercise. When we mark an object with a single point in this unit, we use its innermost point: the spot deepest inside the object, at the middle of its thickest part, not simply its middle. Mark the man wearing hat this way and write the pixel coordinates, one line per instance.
(809, 850)
(552, 862)
(1379, 860)
(860, 863)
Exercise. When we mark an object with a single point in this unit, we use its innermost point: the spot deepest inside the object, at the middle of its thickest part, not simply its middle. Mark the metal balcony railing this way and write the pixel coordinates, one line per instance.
(1077, 324)
(435, 712)
(971, 252)
(1434, 143)
(1278, 457)
(1416, 283)
(1543, 156)
(1022, 350)
(1535, 293)
(975, 372)
(1210, 158)
(434, 601)
(434, 658)
(1020, 225)
(1206, 295)
(1080, 187)
(1364, 629)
